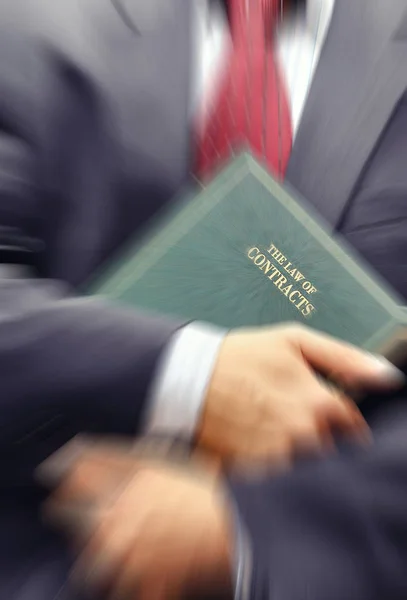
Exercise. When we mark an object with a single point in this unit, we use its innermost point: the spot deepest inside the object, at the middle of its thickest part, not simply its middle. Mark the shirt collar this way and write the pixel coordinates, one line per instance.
(314, 17)
(314, 11)
(318, 14)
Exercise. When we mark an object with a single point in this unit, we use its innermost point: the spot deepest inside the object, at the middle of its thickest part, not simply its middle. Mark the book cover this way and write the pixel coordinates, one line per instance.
(247, 251)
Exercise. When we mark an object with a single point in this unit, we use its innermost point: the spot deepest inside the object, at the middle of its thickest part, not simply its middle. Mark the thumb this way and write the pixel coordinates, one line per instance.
(160, 589)
(347, 365)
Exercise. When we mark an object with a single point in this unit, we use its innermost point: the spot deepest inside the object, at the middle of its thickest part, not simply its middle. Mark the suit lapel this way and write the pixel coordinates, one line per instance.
(360, 78)
(144, 16)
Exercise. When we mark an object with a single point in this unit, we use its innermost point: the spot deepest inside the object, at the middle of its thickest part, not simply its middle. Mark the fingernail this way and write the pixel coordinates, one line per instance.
(386, 369)
(55, 468)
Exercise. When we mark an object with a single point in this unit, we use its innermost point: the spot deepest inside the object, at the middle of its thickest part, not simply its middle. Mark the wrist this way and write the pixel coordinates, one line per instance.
(180, 385)
(213, 572)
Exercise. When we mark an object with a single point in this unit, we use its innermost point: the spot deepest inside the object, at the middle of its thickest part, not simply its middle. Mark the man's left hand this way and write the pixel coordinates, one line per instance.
(153, 529)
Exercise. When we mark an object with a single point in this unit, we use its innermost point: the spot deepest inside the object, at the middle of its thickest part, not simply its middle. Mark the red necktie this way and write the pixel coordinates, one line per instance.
(251, 108)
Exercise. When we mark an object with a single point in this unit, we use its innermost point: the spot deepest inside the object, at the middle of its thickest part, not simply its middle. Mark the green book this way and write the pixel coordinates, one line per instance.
(248, 251)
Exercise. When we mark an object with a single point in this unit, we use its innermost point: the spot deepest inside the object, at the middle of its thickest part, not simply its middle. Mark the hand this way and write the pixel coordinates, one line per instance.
(266, 402)
(155, 532)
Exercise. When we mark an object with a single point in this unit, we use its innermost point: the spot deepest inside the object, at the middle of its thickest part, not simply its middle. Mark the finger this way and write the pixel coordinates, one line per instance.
(90, 484)
(345, 418)
(331, 410)
(111, 457)
(115, 454)
(269, 451)
(101, 561)
(334, 410)
(55, 468)
(157, 590)
(305, 436)
(316, 436)
(155, 573)
(256, 469)
(324, 446)
(86, 473)
(346, 364)
(109, 547)
(326, 436)
(78, 521)
(127, 584)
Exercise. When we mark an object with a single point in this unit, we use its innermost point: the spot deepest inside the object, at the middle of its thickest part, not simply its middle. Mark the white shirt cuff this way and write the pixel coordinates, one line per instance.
(179, 387)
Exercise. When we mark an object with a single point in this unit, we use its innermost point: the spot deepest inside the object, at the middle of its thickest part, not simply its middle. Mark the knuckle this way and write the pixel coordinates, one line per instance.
(289, 330)
(322, 398)
(303, 430)
(268, 449)
(340, 412)
(306, 437)
(294, 329)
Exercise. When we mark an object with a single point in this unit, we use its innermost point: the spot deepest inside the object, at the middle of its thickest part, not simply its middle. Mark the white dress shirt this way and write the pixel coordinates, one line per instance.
(186, 367)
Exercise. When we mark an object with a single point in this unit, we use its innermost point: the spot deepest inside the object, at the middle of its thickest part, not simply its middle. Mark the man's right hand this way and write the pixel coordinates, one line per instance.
(265, 400)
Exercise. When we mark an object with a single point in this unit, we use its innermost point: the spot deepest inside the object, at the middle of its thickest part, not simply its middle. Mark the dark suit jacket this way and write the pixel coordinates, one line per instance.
(336, 529)
(94, 139)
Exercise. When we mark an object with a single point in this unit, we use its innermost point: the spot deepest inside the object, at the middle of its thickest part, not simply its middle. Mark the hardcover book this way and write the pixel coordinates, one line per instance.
(247, 251)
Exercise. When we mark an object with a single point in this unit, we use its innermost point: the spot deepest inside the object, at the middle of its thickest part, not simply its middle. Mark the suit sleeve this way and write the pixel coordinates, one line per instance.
(332, 529)
(66, 364)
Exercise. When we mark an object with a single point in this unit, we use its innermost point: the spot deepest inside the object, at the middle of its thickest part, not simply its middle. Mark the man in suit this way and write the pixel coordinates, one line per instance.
(333, 528)
(89, 153)
(91, 121)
